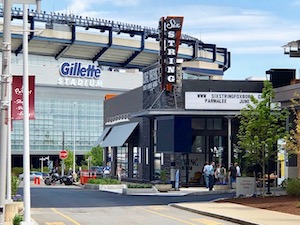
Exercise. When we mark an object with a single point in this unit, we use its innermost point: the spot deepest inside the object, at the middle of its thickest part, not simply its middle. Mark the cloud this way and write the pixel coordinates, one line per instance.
(87, 6)
(231, 27)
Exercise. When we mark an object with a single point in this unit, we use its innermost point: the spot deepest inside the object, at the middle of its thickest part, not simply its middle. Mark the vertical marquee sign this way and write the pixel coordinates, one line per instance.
(170, 33)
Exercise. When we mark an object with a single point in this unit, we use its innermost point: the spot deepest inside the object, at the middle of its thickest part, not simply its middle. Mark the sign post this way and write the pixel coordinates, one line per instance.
(63, 154)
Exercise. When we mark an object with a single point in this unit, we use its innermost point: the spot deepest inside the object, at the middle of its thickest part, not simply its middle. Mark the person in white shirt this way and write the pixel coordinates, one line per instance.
(206, 172)
(238, 170)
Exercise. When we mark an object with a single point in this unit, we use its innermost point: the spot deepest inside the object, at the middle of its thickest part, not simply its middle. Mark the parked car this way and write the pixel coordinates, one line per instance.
(33, 174)
(96, 169)
(45, 175)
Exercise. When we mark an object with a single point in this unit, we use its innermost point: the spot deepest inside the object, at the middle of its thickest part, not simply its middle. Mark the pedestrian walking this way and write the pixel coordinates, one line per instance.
(106, 171)
(238, 169)
(211, 175)
(232, 174)
(220, 173)
(120, 171)
(206, 172)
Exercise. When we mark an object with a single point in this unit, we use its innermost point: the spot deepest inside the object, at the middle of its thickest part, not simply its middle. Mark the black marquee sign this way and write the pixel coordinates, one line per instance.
(170, 33)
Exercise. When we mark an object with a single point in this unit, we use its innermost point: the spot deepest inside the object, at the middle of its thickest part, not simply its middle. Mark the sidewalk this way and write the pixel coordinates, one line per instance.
(238, 213)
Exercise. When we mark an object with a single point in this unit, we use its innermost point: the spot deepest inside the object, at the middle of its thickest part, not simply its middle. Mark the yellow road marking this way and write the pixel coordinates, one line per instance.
(68, 218)
(55, 223)
(170, 217)
(207, 221)
(158, 208)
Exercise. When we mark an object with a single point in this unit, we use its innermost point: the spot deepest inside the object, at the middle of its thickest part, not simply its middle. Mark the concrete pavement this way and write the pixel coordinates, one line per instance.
(236, 213)
(240, 214)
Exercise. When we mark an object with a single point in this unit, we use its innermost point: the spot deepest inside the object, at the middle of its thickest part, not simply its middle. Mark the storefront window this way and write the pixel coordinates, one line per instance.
(158, 157)
(198, 144)
(122, 157)
(218, 148)
(198, 123)
(136, 152)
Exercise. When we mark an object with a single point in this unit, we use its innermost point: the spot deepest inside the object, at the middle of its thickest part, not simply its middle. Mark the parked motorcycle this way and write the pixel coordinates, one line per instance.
(55, 177)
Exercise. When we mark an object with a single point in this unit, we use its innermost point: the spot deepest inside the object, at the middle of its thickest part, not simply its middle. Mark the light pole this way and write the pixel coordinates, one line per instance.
(5, 104)
(42, 162)
(6, 66)
(74, 144)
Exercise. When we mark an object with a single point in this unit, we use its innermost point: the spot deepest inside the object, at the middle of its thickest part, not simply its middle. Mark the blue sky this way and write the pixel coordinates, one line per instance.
(254, 31)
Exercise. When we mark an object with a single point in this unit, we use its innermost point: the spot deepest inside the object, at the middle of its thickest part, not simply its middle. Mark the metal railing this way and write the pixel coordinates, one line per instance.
(88, 22)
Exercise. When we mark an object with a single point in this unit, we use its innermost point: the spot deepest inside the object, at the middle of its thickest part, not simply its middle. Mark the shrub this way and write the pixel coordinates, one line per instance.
(139, 186)
(14, 184)
(293, 187)
(16, 171)
(103, 181)
(46, 169)
(17, 219)
(163, 176)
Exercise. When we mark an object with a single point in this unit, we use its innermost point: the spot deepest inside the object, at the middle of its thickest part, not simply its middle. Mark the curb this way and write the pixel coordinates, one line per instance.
(229, 219)
(231, 191)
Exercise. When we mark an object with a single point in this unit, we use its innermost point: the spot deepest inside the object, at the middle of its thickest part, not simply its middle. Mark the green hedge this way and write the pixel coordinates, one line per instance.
(293, 187)
(104, 181)
(17, 219)
(139, 186)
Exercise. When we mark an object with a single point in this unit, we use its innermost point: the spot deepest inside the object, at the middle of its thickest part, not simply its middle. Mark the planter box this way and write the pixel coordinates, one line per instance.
(91, 186)
(163, 187)
(111, 186)
(12, 209)
(139, 190)
(104, 186)
(221, 187)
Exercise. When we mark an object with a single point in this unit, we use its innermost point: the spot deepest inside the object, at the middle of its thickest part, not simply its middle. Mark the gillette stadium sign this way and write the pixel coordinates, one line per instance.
(76, 74)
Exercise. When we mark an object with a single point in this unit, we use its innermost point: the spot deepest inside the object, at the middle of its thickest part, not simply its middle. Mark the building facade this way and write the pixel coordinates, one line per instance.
(68, 108)
(178, 130)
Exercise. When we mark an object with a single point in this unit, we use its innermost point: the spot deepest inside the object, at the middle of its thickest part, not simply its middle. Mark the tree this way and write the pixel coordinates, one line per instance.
(96, 156)
(262, 124)
(292, 141)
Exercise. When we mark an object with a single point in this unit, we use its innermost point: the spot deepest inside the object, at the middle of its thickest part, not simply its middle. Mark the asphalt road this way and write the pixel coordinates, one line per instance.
(61, 205)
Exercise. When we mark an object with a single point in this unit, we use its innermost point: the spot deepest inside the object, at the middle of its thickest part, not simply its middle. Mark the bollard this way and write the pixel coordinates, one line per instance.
(36, 180)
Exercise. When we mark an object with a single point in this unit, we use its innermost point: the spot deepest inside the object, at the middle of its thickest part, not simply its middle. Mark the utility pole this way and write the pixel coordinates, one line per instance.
(6, 73)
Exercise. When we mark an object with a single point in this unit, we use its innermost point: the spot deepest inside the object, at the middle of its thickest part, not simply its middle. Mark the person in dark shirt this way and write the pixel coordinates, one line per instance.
(232, 174)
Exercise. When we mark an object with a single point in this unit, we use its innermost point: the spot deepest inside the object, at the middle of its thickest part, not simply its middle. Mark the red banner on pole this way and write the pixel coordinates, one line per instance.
(17, 97)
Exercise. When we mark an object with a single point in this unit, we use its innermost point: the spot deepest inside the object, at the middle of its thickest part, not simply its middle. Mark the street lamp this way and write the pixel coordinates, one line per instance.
(74, 144)
(42, 162)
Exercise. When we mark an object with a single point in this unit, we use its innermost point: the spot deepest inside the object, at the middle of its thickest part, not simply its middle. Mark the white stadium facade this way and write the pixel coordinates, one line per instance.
(111, 57)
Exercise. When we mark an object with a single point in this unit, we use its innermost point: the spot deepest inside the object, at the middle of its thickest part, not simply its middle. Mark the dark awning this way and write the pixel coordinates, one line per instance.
(102, 136)
(119, 134)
